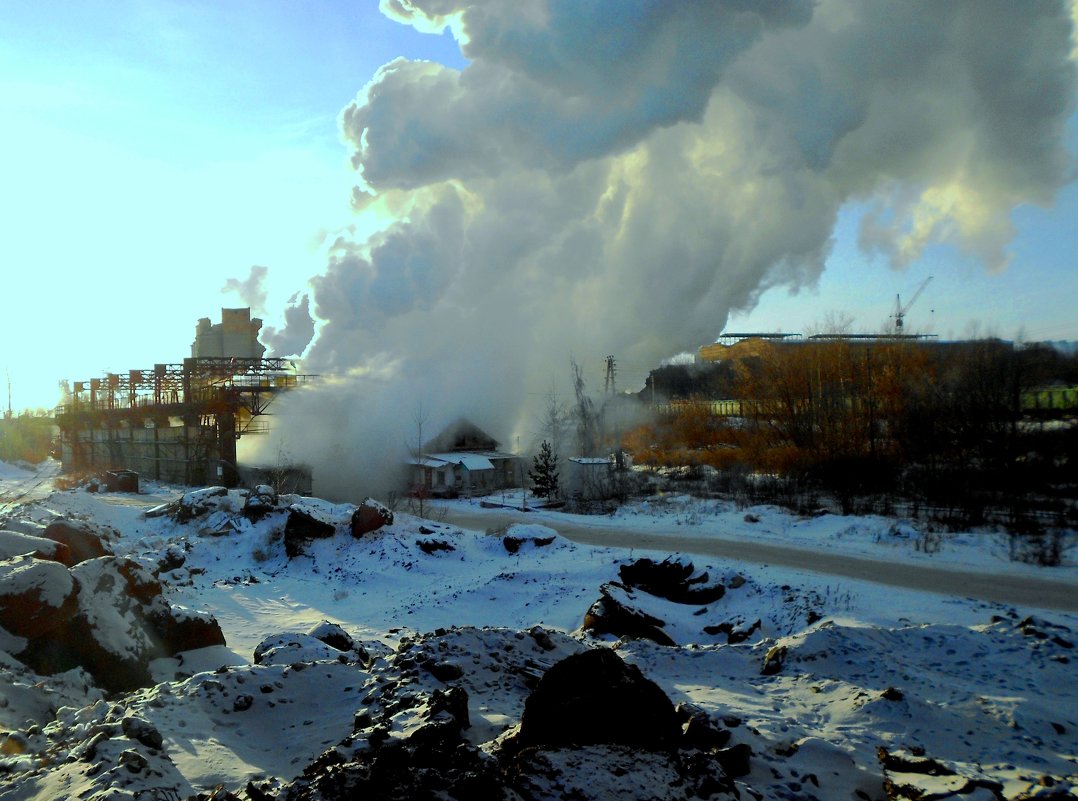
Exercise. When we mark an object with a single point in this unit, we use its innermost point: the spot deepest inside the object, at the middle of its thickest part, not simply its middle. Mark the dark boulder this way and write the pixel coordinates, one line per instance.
(184, 629)
(172, 559)
(615, 614)
(594, 697)
(198, 502)
(302, 526)
(735, 760)
(433, 546)
(83, 541)
(774, 660)
(15, 543)
(673, 579)
(370, 516)
(701, 733)
(112, 622)
(512, 543)
(36, 596)
(735, 631)
(333, 635)
(260, 502)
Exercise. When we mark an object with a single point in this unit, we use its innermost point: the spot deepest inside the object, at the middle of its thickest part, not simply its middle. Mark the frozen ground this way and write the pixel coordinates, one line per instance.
(986, 689)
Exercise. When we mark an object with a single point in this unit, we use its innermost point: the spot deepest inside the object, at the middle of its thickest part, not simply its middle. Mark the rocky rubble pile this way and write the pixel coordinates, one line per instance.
(77, 606)
(496, 714)
(634, 606)
(220, 511)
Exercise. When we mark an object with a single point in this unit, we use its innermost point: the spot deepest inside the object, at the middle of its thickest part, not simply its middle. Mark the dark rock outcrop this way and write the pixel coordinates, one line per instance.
(37, 597)
(673, 579)
(105, 615)
(512, 543)
(302, 526)
(595, 697)
(370, 516)
(615, 614)
(82, 540)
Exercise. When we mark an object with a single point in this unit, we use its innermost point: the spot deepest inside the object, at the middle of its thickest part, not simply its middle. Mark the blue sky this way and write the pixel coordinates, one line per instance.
(153, 150)
(1034, 299)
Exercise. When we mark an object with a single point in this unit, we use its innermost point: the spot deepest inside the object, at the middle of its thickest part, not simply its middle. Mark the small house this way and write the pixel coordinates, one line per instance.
(592, 477)
(463, 460)
(589, 476)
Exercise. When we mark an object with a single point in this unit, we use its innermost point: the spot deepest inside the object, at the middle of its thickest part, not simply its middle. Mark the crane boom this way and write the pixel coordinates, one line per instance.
(900, 310)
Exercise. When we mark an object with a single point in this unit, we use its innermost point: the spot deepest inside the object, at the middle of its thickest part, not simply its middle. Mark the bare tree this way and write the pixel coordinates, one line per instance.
(419, 486)
(553, 422)
(588, 420)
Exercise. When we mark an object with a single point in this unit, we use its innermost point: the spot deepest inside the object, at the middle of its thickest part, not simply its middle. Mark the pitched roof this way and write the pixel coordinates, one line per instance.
(461, 435)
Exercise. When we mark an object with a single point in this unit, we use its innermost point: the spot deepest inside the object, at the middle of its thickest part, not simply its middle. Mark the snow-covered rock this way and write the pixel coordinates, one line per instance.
(105, 615)
(83, 540)
(370, 516)
(15, 543)
(37, 597)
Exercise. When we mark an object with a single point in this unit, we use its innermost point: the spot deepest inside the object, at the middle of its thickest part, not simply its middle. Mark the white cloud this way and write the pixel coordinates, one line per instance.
(615, 178)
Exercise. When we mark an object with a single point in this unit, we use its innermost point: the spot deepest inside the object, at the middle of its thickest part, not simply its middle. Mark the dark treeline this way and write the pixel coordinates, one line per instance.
(26, 438)
(944, 424)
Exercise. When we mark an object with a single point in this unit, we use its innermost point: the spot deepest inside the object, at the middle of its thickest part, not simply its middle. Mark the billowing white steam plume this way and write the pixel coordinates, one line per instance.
(250, 290)
(615, 177)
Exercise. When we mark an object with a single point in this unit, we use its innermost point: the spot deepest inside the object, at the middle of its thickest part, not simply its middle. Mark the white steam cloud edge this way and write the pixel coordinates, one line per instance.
(617, 177)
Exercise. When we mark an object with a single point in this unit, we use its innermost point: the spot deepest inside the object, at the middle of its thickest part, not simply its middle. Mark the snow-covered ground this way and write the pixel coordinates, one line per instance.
(872, 537)
(853, 666)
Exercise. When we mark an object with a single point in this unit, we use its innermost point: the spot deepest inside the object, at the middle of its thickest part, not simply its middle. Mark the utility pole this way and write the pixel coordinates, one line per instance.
(8, 414)
(611, 389)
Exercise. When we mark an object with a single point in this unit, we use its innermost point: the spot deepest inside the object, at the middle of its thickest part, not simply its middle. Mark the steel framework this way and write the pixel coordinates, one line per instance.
(176, 422)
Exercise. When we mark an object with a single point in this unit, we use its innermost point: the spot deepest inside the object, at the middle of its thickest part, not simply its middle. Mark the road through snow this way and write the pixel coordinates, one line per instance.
(1017, 591)
(23, 489)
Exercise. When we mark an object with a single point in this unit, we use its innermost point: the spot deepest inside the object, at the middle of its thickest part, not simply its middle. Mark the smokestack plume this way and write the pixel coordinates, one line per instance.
(616, 178)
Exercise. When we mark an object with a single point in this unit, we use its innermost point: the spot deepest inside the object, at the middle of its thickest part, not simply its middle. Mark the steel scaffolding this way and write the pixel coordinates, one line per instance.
(176, 422)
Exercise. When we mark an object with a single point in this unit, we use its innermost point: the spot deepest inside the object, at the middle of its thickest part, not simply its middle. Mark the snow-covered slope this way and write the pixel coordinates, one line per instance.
(836, 687)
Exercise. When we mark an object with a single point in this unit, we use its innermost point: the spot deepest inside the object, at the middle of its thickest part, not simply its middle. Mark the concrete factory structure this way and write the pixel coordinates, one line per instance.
(178, 422)
(235, 336)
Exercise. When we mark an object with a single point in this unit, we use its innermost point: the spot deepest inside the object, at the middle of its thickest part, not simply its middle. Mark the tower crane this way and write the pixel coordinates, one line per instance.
(900, 311)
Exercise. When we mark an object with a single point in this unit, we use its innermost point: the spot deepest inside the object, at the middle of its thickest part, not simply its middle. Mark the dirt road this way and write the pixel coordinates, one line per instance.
(1015, 590)
(34, 487)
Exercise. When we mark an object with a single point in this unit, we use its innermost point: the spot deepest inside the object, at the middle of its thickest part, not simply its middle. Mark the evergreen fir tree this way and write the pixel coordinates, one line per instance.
(544, 472)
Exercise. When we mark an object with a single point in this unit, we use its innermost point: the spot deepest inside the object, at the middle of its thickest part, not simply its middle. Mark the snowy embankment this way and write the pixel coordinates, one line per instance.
(790, 685)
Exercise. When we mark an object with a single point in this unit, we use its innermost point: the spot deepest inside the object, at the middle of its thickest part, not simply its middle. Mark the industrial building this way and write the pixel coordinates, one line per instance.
(178, 422)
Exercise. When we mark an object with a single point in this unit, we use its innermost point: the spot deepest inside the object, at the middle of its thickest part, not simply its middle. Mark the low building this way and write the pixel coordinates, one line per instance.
(592, 477)
(463, 460)
(589, 476)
